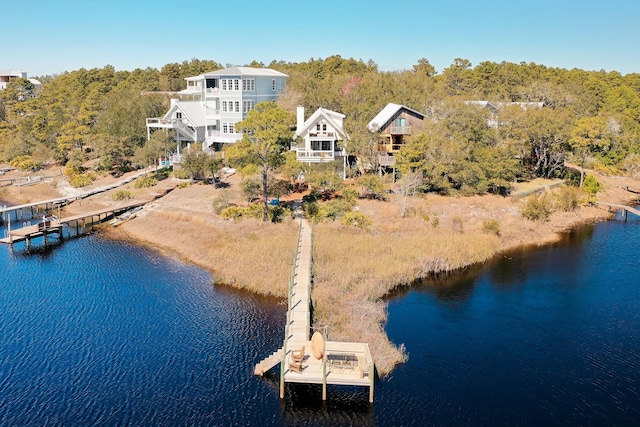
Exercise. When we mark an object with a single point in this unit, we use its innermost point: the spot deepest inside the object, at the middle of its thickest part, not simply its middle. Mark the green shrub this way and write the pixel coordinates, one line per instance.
(181, 174)
(251, 189)
(356, 219)
(81, 180)
(567, 199)
(491, 226)
(435, 222)
(350, 195)
(121, 195)
(183, 185)
(255, 211)
(537, 207)
(591, 186)
(25, 163)
(145, 181)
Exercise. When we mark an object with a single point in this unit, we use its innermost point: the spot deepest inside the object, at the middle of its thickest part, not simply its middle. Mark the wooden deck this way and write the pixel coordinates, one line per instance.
(31, 232)
(343, 363)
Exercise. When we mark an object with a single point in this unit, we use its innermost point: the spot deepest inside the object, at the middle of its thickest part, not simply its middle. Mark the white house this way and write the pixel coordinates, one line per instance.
(7, 75)
(209, 108)
(321, 137)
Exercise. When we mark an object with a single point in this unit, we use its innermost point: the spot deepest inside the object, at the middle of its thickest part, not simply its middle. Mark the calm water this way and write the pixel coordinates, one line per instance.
(106, 333)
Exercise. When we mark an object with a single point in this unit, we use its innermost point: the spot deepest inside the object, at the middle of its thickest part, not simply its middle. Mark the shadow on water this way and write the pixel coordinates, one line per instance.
(303, 404)
(506, 269)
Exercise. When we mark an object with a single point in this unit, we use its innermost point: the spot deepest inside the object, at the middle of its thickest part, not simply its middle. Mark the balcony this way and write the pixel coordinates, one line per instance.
(316, 156)
(212, 91)
(181, 125)
(321, 135)
(400, 130)
(386, 160)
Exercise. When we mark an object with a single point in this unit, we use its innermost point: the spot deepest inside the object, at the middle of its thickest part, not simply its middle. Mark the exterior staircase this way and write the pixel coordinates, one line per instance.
(269, 362)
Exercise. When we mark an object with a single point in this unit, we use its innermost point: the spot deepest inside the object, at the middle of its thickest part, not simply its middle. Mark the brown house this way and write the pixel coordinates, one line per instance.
(393, 125)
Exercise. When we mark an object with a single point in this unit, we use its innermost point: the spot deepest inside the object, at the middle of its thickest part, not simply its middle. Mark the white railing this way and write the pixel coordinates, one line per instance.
(178, 124)
(317, 134)
(212, 91)
(317, 154)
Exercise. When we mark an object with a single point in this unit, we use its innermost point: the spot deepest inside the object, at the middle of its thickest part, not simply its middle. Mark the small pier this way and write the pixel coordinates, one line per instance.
(54, 226)
(625, 209)
(340, 363)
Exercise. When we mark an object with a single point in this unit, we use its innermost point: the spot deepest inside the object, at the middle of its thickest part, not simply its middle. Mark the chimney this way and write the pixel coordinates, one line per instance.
(300, 117)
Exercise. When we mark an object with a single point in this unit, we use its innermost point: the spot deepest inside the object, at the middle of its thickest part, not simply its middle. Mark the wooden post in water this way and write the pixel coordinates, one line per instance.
(324, 366)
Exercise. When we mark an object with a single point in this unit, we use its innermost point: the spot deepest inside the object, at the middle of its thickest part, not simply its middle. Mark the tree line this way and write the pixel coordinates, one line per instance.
(590, 117)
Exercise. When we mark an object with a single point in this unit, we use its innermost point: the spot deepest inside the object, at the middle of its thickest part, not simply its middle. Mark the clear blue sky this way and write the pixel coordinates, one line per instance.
(46, 37)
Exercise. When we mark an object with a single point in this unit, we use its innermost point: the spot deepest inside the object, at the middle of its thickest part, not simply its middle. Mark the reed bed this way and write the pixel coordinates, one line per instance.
(355, 270)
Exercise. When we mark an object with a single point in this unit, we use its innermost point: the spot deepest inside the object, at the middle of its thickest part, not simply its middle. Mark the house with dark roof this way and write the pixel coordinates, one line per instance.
(393, 126)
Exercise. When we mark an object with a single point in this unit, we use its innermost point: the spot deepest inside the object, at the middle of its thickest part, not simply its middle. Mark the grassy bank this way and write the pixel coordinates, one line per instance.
(354, 269)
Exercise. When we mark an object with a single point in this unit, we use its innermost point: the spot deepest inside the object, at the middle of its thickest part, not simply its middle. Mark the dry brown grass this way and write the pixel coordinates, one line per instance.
(248, 255)
(395, 253)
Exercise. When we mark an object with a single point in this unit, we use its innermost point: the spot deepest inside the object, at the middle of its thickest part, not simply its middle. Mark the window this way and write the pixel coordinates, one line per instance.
(318, 127)
(248, 84)
(178, 114)
(224, 106)
(224, 84)
(326, 145)
(237, 105)
(273, 85)
(236, 84)
(228, 127)
(248, 106)
(324, 127)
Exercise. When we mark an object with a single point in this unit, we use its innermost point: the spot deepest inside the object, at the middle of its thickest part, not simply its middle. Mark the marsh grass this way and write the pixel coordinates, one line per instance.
(349, 296)
(248, 255)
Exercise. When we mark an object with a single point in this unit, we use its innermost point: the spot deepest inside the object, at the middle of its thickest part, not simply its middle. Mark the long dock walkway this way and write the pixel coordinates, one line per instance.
(341, 363)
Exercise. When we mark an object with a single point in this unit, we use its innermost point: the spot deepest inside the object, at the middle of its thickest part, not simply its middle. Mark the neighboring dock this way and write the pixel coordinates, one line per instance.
(52, 226)
(341, 363)
(625, 209)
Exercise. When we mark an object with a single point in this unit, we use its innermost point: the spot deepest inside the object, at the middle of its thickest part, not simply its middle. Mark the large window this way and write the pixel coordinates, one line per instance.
(237, 106)
(224, 106)
(248, 84)
(248, 106)
(230, 84)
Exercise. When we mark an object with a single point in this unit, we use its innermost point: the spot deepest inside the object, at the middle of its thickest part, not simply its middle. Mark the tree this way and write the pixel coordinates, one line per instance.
(588, 135)
(267, 132)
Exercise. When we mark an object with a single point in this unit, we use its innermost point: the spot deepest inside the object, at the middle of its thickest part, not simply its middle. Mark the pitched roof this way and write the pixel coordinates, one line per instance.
(192, 109)
(385, 115)
(242, 71)
(332, 117)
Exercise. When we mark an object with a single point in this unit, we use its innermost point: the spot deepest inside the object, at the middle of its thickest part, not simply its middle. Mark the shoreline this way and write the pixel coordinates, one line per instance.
(256, 257)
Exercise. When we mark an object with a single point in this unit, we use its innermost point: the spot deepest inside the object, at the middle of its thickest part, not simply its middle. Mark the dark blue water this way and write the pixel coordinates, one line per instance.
(95, 332)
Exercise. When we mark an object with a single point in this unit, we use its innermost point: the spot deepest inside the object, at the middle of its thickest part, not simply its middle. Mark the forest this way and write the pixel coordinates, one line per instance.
(589, 118)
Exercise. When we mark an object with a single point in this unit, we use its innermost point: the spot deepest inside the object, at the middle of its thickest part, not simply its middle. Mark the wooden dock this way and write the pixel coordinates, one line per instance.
(55, 226)
(342, 363)
(624, 208)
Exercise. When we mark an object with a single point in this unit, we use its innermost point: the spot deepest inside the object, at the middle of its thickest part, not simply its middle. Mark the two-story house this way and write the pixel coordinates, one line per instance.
(321, 137)
(392, 126)
(209, 108)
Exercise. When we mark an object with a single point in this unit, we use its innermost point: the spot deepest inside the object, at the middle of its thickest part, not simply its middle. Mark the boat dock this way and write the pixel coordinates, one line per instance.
(339, 363)
(54, 226)
(625, 209)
